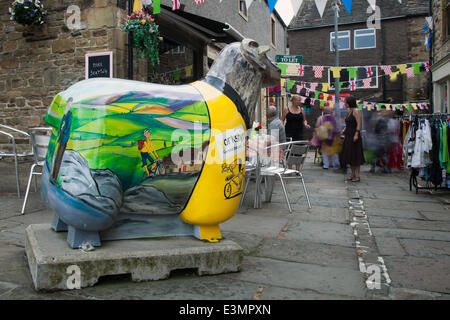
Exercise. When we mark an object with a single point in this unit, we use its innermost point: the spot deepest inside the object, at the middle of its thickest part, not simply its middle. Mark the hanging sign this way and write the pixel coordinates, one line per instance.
(99, 65)
(283, 58)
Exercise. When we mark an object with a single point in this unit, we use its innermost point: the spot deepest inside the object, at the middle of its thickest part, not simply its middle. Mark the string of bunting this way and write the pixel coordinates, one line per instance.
(327, 100)
(410, 72)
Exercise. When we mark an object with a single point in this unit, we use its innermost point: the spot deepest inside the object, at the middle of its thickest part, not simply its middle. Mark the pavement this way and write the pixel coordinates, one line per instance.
(374, 239)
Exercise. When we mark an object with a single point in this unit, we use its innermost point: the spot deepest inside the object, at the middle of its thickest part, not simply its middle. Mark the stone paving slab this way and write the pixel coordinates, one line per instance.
(388, 204)
(422, 225)
(439, 216)
(248, 242)
(414, 294)
(321, 232)
(49, 256)
(411, 234)
(395, 213)
(420, 273)
(426, 248)
(300, 276)
(277, 293)
(255, 225)
(389, 247)
(309, 252)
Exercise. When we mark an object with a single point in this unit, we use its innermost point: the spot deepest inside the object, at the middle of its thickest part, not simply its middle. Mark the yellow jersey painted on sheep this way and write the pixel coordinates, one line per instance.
(217, 192)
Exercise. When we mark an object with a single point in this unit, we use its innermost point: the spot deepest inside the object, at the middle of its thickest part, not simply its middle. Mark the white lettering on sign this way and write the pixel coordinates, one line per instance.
(231, 142)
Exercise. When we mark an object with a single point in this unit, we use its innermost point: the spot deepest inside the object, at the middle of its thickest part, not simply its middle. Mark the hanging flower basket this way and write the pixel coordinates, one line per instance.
(27, 12)
(145, 35)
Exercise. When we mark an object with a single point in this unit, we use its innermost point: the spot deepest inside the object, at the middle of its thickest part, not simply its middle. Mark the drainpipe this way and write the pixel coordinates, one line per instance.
(130, 44)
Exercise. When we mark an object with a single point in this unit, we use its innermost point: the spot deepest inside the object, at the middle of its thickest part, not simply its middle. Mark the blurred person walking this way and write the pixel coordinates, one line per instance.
(326, 136)
(352, 150)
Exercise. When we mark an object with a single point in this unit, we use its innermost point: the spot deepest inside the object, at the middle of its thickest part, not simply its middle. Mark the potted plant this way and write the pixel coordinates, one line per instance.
(27, 12)
(145, 35)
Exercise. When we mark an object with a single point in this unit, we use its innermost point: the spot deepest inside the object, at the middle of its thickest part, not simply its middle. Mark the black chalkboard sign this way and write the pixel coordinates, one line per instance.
(99, 65)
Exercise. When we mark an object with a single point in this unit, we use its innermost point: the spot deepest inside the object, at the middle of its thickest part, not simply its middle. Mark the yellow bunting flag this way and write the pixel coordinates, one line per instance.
(402, 68)
(188, 71)
(325, 87)
(414, 106)
(393, 76)
(337, 72)
(325, 96)
(282, 81)
(137, 6)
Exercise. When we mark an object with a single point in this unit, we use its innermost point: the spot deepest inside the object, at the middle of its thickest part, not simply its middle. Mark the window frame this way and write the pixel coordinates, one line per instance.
(355, 36)
(273, 31)
(349, 40)
(244, 15)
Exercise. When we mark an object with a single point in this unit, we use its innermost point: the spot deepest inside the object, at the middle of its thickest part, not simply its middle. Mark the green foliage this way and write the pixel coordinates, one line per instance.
(145, 35)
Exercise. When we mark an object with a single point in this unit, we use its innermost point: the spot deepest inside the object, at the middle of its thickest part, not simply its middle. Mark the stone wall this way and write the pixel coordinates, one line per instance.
(441, 44)
(38, 62)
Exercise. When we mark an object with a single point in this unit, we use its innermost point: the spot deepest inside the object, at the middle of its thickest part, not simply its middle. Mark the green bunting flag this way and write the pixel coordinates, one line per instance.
(416, 67)
(156, 6)
(352, 72)
(176, 75)
(283, 68)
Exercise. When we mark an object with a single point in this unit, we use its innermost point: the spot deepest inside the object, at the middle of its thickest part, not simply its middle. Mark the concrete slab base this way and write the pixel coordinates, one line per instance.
(56, 266)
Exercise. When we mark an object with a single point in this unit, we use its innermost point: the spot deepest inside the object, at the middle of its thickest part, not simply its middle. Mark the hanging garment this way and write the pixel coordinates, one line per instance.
(445, 153)
(436, 170)
(417, 157)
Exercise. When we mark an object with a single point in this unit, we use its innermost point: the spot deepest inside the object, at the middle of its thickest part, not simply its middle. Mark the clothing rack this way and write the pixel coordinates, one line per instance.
(415, 171)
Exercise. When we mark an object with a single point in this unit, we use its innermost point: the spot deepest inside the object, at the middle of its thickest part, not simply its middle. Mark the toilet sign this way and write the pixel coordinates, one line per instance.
(99, 65)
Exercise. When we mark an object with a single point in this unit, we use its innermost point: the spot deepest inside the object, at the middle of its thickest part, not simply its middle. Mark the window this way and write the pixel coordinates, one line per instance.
(343, 40)
(273, 27)
(243, 9)
(365, 39)
(178, 50)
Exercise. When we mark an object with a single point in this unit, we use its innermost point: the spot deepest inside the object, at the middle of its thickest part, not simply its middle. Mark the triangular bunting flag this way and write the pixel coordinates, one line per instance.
(348, 5)
(272, 4)
(320, 4)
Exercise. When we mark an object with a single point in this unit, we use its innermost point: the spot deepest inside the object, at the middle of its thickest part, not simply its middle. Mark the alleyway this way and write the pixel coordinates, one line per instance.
(377, 225)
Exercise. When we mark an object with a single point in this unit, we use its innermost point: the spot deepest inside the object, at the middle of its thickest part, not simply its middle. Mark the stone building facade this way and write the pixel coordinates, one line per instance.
(398, 40)
(441, 55)
(38, 62)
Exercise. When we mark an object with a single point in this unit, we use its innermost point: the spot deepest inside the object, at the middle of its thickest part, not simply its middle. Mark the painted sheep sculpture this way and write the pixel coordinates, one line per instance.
(130, 159)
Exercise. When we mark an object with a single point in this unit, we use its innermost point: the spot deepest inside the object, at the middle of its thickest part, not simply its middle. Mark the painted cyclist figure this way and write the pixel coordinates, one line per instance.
(148, 152)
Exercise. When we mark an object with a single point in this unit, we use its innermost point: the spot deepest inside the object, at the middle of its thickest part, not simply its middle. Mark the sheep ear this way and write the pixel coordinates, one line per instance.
(251, 51)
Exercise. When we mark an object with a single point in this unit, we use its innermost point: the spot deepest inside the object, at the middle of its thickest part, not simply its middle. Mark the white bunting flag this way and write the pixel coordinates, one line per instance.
(320, 4)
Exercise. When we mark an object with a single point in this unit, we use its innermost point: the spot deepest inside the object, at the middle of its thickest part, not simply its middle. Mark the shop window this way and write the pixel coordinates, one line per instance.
(242, 9)
(365, 39)
(343, 40)
(178, 50)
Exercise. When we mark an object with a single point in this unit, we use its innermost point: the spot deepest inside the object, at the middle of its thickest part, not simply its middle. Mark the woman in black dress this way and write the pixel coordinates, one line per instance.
(352, 150)
(295, 118)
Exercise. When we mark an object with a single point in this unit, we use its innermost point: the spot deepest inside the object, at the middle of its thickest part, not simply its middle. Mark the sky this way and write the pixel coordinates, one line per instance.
(287, 9)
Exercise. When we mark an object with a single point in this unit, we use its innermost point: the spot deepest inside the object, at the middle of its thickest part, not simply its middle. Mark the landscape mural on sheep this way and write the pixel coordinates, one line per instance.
(130, 159)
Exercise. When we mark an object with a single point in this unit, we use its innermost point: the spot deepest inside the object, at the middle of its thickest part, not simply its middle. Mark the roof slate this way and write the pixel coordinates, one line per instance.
(308, 15)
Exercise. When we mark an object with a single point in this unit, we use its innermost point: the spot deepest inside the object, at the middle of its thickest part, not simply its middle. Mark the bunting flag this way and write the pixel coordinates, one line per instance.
(301, 70)
(402, 68)
(313, 86)
(416, 67)
(348, 5)
(325, 87)
(320, 5)
(427, 66)
(198, 1)
(303, 84)
(272, 4)
(137, 5)
(189, 71)
(352, 85)
(248, 3)
(366, 82)
(336, 72)
(410, 72)
(369, 72)
(156, 6)
(299, 88)
(175, 5)
(372, 3)
(352, 72)
(387, 70)
(318, 71)
(393, 76)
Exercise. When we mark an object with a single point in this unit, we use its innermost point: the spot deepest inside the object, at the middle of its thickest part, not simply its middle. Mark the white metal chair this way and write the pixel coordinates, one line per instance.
(13, 134)
(296, 155)
(40, 138)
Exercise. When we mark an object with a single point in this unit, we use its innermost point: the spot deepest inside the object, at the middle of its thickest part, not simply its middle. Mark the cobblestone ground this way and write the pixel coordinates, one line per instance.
(369, 240)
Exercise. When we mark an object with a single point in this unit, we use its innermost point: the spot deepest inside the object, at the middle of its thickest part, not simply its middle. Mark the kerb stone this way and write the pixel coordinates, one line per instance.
(49, 258)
